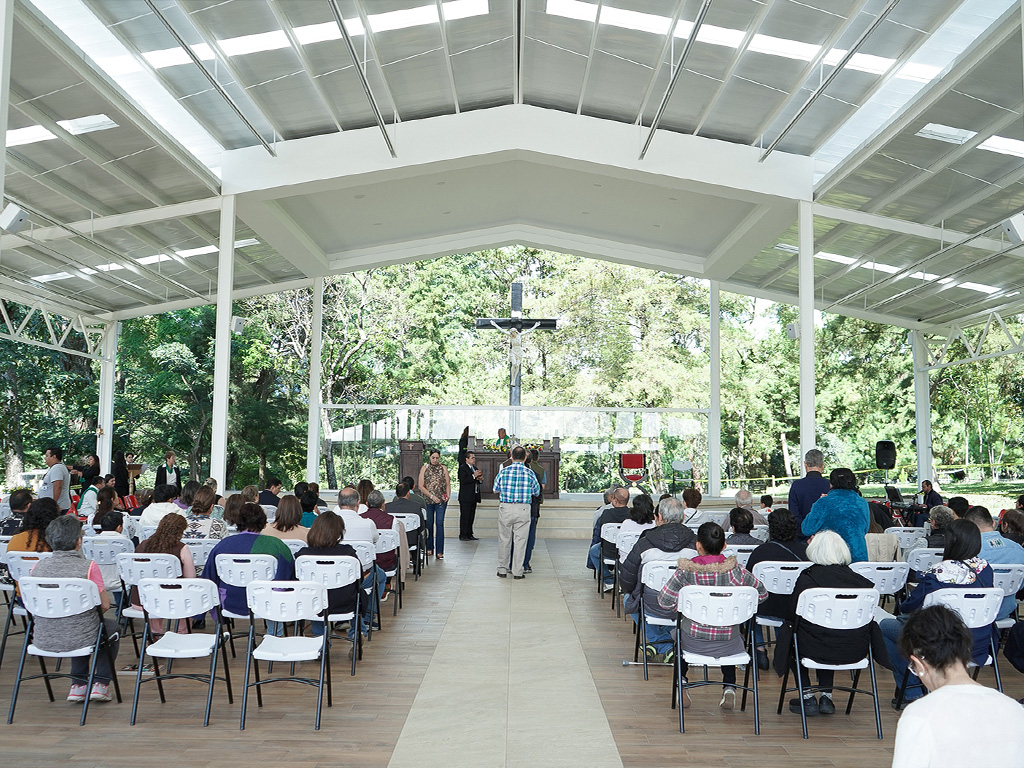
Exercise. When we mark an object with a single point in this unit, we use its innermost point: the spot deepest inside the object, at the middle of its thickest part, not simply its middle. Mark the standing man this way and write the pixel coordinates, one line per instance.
(167, 473)
(470, 480)
(808, 489)
(56, 483)
(535, 503)
(516, 485)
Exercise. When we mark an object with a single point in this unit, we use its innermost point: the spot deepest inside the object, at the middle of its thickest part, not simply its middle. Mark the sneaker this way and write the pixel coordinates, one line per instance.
(670, 656)
(650, 651)
(826, 706)
(502, 575)
(608, 587)
(810, 706)
(728, 699)
(100, 692)
(527, 569)
(77, 692)
(684, 696)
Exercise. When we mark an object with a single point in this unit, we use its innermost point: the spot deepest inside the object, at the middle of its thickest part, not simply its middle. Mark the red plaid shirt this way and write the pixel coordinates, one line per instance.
(708, 571)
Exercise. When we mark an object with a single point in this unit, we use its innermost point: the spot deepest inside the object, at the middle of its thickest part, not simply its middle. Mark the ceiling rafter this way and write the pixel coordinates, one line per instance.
(370, 41)
(40, 28)
(87, 327)
(666, 52)
(590, 55)
(518, 44)
(443, 26)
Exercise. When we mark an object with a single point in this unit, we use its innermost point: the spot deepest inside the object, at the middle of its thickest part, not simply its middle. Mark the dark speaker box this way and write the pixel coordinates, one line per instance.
(885, 454)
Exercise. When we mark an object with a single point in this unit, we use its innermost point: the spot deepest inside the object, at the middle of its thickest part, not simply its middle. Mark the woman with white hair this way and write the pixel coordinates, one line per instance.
(831, 557)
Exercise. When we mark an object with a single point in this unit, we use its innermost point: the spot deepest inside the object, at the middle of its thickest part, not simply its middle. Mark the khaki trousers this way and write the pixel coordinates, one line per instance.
(513, 528)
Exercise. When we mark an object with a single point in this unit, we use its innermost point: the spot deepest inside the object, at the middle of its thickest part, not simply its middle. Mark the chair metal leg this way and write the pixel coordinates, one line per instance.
(995, 663)
(213, 679)
(854, 684)
(678, 662)
(800, 685)
(17, 680)
(248, 664)
(227, 671)
(138, 676)
(874, 692)
(782, 691)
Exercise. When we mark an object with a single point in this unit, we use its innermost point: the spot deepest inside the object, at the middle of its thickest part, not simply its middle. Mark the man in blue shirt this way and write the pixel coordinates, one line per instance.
(996, 550)
(516, 485)
(809, 488)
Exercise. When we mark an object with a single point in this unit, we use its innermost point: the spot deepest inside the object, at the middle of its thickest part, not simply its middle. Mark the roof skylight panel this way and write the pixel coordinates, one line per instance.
(76, 127)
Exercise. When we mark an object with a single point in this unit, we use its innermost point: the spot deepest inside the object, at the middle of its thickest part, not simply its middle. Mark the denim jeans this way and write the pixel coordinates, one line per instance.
(891, 631)
(435, 526)
(658, 635)
(595, 562)
(366, 602)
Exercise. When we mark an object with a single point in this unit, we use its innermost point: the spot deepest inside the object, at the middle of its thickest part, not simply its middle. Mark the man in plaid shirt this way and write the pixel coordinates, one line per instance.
(516, 485)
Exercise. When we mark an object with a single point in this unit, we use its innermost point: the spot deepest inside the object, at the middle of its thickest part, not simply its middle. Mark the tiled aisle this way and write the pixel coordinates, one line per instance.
(508, 684)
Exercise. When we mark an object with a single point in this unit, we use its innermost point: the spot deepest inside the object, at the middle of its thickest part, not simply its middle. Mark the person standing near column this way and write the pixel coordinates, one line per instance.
(437, 485)
(470, 479)
(516, 485)
(56, 483)
(167, 473)
(535, 502)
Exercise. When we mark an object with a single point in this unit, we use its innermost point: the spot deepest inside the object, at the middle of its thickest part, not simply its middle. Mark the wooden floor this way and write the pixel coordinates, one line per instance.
(370, 711)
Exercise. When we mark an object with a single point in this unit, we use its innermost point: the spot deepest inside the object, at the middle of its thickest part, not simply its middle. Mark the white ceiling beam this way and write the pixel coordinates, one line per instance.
(211, 298)
(590, 55)
(443, 22)
(284, 235)
(753, 28)
(746, 238)
(40, 28)
(518, 44)
(903, 227)
(25, 290)
(665, 53)
(370, 40)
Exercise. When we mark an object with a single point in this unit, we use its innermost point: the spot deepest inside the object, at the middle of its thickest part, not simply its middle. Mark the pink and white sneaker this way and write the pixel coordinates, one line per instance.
(77, 692)
(100, 692)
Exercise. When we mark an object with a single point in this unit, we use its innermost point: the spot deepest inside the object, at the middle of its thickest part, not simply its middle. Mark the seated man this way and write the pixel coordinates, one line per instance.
(64, 535)
(996, 550)
(403, 505)
(87, 501)
(604, 550)
(309, 508)
(18, 502)
(766, 505)
(163, 504)
(358, 528)
(271, 495)
(745, 500)
(741, 521)
(663, 542)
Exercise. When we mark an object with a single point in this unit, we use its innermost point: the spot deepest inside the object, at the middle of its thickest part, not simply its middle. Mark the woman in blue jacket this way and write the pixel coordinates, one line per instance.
(841, 510)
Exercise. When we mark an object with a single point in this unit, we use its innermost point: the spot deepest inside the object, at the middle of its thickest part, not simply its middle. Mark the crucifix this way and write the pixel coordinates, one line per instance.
(515, 327)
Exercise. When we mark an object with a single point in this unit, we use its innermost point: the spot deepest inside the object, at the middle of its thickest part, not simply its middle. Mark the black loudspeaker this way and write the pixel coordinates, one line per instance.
(885, 454)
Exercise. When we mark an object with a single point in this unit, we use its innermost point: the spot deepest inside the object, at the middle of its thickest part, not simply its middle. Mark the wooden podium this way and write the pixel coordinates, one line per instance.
(412, 457)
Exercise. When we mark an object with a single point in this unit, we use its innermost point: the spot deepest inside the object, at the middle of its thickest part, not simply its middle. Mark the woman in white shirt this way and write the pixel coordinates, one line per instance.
(641, 517)
(947, 727)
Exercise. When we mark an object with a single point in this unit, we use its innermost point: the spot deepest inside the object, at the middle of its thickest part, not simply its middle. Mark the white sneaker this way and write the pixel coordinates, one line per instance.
(685, 696)
(728, 699)
(608, 587)
(77, 692)
(100, 692)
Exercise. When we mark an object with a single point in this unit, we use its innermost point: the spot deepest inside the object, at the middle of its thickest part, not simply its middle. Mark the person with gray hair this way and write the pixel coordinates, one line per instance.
(745, 500)
(64, 535)
(666, 541)
(831, 557)
(809, 488)
(357, 528)
(382, 521)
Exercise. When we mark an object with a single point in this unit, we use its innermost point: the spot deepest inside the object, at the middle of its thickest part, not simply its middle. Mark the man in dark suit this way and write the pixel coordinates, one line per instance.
(402, 504)
(809, 488)
(470, 479)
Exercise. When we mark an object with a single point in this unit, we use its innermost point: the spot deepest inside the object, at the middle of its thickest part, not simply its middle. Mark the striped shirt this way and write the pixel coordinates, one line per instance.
(516, 484)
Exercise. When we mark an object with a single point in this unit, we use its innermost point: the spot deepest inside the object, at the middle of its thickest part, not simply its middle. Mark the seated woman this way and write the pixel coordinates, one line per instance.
(32, 536)
(325, 539)
(831, 569)
(1011, 526)
(199, 522)
(782, 545)
(960, 568)
(710, 569)
(166, 540)
(741, 521)
(287, 521)
(842, 510)
(64, 539)
(641, 517)
(949, 725)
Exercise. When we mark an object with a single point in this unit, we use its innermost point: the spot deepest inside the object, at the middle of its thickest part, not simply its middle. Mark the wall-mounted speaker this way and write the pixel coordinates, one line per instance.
(12, 219)
(1013, 228)
(885, 454)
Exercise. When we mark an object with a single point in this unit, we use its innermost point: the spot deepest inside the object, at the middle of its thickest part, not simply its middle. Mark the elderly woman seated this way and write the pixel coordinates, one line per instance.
(831, 569)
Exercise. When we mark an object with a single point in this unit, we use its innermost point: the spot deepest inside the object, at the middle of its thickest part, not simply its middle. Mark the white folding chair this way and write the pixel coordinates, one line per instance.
(760, 532)
(412, 524)
(888, 578)
(366, 551)
(200, 549)
(839, 609)
(715, 607)
(624, 543)
(387, 541)
(286, 602)
(56, 598)
(175, 600)
(908, 536)
(1008, 578)
(7, 589)
(271, 511)
(19, 565)
(653, 575)
(335, 572)
(145, 531)
(294, 545)
(609, 534)
(922, 558)
(779, 578)
(977, 608)
(132, 567)
(742, 552)
(240, 571)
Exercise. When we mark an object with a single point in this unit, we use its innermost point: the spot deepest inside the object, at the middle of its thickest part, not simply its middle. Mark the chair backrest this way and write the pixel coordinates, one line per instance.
(285, 600)
(365, 551)
(610, 532)
(1008, 578)
(717, 606)
(332, 571)
(410, 520)
(387, 540)
(4, 540)
(760, 532)
(628, 540)
(178, 598)
(146, 531)
(889, 578)
(271, 511)
(742, 552)
(654, 573)
(200, 549)
(632, 461)
(132, 567)
(907, 536)
(779, 576)
(130, 502)
(103, 550)
(240, 570)
(922, 558)
(20, 564)
(53, 598)
(838, 608)
(294, 545)
(977, 607)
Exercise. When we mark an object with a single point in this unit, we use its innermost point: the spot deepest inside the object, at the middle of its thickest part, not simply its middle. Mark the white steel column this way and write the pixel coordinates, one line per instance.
(315, 363)
(806, 310)
(105, 416)
(715, 414)
(922, 407)
(222, 346)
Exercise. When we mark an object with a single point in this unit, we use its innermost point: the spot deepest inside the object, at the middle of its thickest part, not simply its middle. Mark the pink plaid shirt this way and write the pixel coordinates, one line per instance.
(708, 571)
